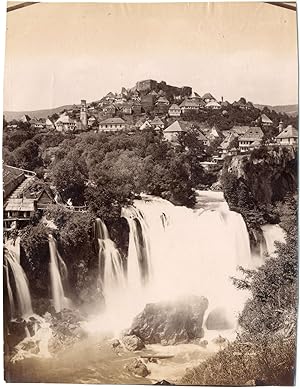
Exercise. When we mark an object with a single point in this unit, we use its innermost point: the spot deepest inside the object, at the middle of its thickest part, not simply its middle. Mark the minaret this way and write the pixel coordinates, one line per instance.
(280, 127)
(83, 114)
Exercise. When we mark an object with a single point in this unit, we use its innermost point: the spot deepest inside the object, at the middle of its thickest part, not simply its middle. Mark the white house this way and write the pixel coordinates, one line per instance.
(50, 124)
(174, 111)
(288, 137)
(224, 146)
(213, 105)
(265, 121)
(157, 122)
(208, 97)
(65, 124)
(172, 132)
(146, 125)
(189, 106)
(251, 139)
(91, 121)
(112, 124)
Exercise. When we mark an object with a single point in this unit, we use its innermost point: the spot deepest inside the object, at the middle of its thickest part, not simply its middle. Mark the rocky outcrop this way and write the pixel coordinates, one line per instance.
(170, 323)
(66, 330)
(269, 173)
(133, 343)
(266, 174)
(137, 367)
(253, 183)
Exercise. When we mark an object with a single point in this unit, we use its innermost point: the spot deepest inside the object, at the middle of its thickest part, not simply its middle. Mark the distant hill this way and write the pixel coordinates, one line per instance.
(291, 109)
(41, 113)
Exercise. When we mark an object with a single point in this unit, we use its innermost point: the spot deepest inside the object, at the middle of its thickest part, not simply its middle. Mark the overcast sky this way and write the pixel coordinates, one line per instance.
(57, 54)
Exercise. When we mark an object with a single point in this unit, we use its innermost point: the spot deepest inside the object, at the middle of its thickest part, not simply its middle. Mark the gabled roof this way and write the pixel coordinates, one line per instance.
(213, 104)
(195, 95)
(157, 121)
(162, 100)
(254, 133)
(239, 130)
(226, 142)
(145, 125)
(110, 94)
(225, 103)
(174, 106)
(189, 103)
(20, 204)
(265, 119)
(36, 190)
(288, 132)
(213, 133)
(201, 137)
(153, 93)
(113, 121)
(65, 119)
(208, 96)
(176, 127)
(25, 118)
(11, 178)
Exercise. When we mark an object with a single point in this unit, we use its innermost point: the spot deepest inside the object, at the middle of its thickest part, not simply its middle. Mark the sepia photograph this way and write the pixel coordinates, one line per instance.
(150, 193)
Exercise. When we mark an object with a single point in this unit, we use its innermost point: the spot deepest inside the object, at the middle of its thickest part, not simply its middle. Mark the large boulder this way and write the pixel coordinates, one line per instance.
(171, 323)
(133, 343)
(137, 367)
(66, 329)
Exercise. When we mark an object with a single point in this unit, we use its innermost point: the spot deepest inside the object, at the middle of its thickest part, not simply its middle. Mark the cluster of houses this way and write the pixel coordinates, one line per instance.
(131, 110)
(23, 196)
(72, 120)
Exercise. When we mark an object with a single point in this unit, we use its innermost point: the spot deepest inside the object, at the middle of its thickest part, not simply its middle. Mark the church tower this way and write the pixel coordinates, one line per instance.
(83, 114)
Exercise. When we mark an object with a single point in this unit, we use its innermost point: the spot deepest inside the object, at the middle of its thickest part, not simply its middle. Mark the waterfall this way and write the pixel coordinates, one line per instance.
(58, 273)
(139, 268)
(9, 291)
(21, 285)
(191, 252)
(111, 271)
(175, 251)
(272, 233)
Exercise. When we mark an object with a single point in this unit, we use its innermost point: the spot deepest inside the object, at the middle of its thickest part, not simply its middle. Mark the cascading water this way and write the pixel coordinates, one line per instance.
(58, 274)
(22, 292)
(111, 275)
(272, 233)
(9, 291)
(111, 271)
(175, 251)
(188, 252)
(139, 268)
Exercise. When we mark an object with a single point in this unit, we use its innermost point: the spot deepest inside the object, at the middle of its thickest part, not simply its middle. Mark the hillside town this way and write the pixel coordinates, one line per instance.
(173, 110)
(150, 193)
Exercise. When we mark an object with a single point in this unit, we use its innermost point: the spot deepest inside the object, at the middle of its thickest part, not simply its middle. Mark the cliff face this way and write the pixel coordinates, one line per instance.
(253, 184)
(269, 175)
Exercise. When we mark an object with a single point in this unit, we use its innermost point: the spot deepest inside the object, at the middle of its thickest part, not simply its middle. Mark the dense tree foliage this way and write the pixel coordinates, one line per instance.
(106, 171)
